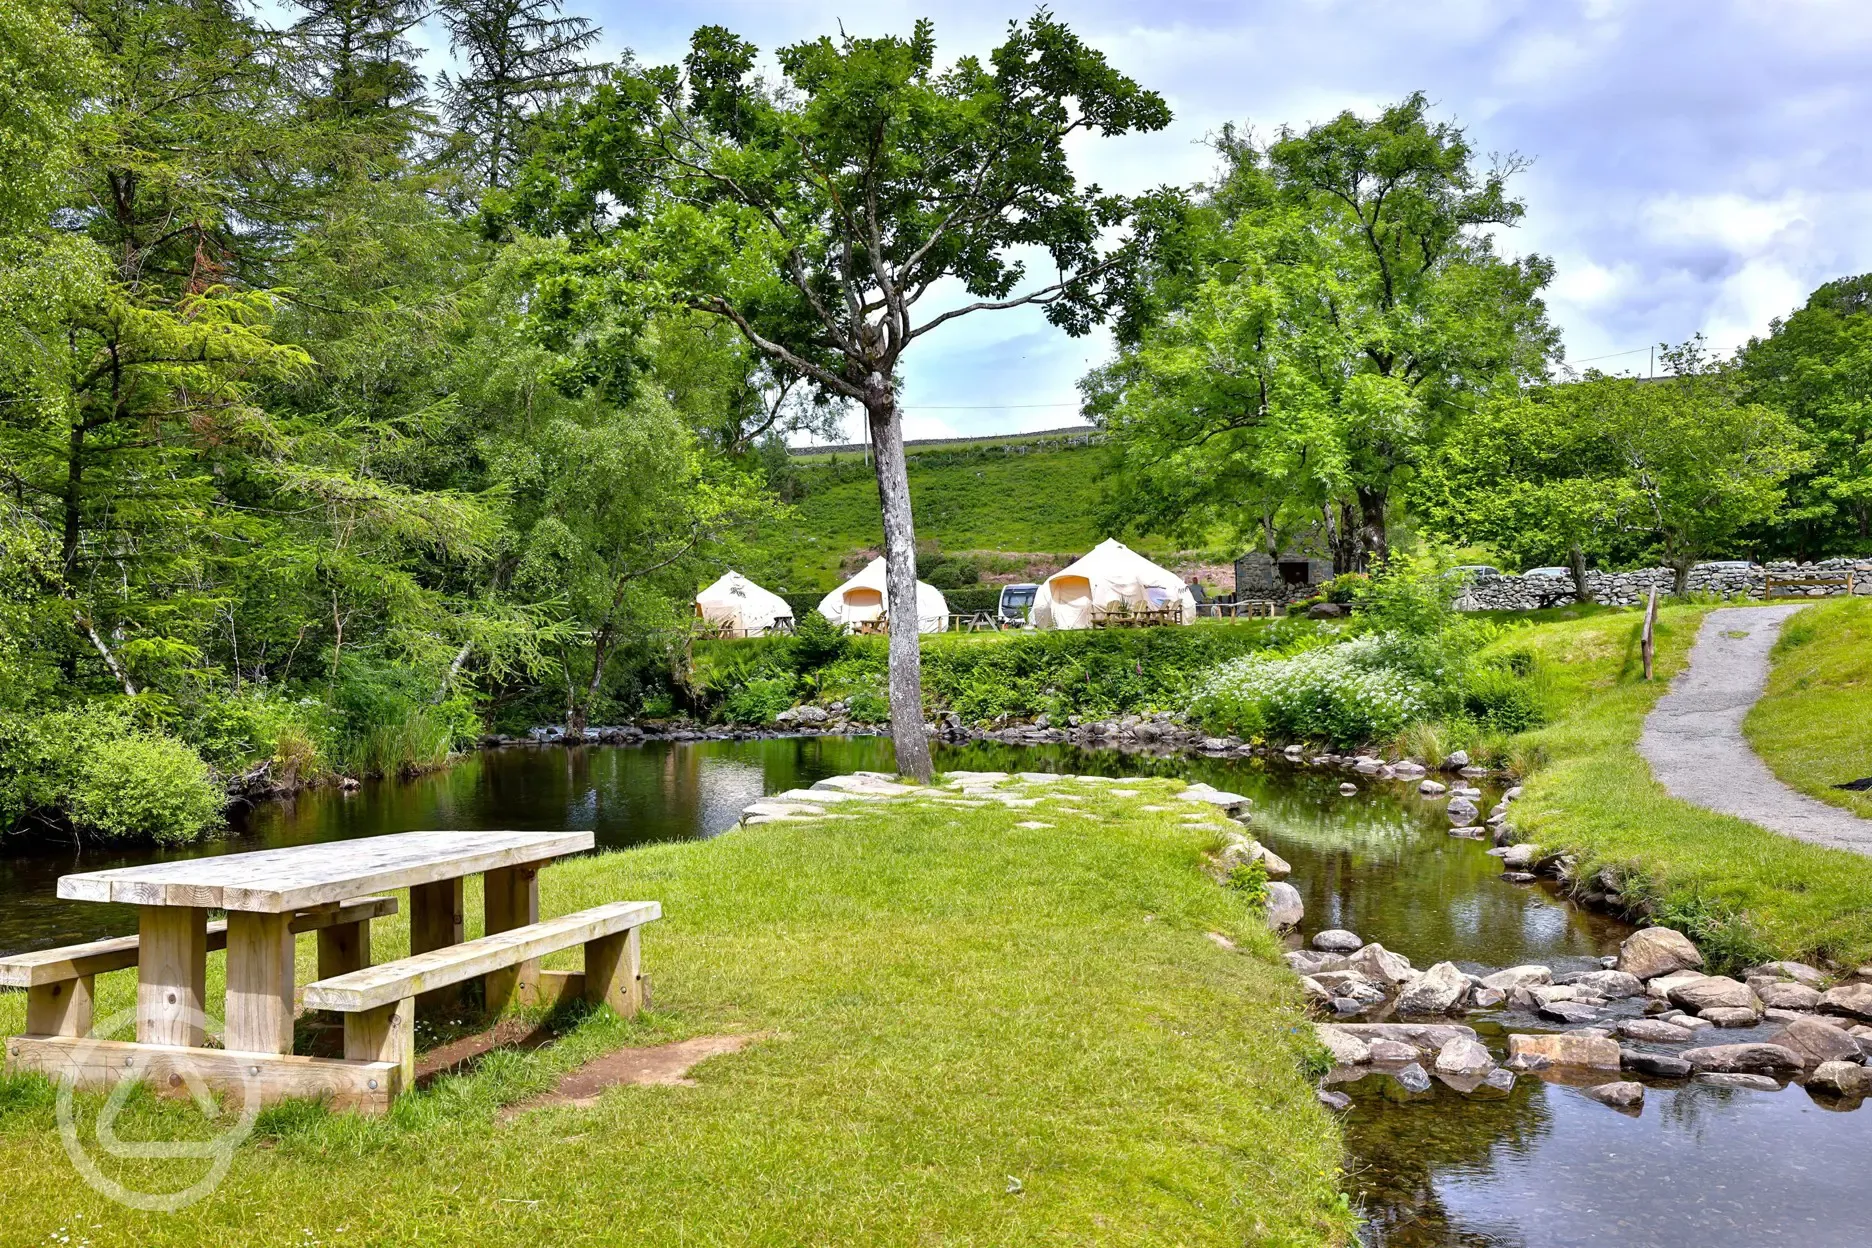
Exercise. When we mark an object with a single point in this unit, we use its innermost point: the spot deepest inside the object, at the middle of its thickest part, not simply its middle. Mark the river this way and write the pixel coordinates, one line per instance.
(1543, 1168)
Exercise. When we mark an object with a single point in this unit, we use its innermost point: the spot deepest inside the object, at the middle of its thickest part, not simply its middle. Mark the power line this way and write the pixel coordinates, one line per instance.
(977, 407)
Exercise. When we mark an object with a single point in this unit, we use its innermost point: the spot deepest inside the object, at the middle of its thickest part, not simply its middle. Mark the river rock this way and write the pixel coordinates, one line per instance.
(1486, 998)
(1347, 789)
(1653, 951)
(1658, 1065)
(1316, 993)
(1520, 857)
(1461, 811)
(1410, 1083)
(1463, 1056)
(1799, 972)
(1210, 796)
(1730, 1016)
(1437, 991)
(1350, 986)
(1497, 1083)
(1349, 1007)
(1567, 1048)
(1816, 1042)
(1346, 1048)
(1567, 1012)
(1743, 1058)
(1333, 1100)
(1393, 1051)
(1379, 964)
(1456, 761)
(1428, 1037)
(1310, 961)
(1431, 788)
(1841, 1079)
(1271, 862)
(1654, 1031)
(1284, 906)
(1621, 1095)
(1660, 988)
(1715, 992)
(1612, 985)
(1851, 1000)
(1732, 1079)
(1517, 977)
(1337, 940)
(1784, 994)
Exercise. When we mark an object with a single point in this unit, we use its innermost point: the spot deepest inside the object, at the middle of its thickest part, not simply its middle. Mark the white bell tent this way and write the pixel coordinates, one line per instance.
(1113, 577)
(740, 607)
(861, 600)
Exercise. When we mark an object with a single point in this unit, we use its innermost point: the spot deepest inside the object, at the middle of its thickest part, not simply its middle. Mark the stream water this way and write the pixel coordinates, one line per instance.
(1544, 1167)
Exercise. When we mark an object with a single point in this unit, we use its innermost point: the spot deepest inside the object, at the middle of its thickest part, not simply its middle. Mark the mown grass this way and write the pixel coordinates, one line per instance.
(1039, 501)
(972, 1033)
(1813, 727)
(1740, 890)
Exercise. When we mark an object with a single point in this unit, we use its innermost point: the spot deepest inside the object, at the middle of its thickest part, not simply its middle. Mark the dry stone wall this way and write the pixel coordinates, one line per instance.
(1625, 589)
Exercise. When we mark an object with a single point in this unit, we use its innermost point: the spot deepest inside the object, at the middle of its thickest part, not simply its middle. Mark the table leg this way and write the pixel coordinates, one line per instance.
(172, 975)
(512, 900)
(259, 982)
(614, 971)
(436, 923)
(60, 1009)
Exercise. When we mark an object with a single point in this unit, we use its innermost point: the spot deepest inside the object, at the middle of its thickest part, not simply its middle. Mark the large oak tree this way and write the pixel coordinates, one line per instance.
(836, 219)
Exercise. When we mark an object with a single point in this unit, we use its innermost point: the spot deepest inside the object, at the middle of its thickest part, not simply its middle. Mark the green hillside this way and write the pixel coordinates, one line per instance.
(997, 499)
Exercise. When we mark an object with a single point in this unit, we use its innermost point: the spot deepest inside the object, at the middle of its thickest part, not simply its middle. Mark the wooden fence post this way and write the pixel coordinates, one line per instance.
(1646, 646)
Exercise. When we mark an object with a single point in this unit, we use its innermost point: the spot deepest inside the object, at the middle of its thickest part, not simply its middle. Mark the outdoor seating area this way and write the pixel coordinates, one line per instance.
(336, 890)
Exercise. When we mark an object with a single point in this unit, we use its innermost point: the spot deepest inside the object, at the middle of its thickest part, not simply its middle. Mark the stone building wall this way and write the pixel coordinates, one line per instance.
(1625, 589)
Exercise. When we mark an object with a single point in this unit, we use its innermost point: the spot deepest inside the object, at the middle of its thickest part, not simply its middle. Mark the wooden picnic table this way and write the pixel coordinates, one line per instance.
(269, 896)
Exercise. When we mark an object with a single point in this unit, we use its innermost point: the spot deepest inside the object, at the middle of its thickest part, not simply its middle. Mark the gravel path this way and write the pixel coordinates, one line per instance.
(1694, 743)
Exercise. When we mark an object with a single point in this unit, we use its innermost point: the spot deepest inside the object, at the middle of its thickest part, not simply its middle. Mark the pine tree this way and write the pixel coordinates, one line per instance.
(354, 67)
(521, 57)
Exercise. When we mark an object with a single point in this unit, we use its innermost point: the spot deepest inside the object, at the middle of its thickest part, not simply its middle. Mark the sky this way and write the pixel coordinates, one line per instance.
(1697, 165)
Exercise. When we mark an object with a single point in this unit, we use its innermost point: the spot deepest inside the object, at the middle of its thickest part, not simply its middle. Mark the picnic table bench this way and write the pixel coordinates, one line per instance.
(272, 895)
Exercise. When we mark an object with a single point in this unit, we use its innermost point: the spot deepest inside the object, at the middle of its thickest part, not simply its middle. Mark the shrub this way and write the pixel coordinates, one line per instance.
(869, 708)
(759, 700)
(146, 788)
(1346, 694)
(1249, 880)
(1499, 698)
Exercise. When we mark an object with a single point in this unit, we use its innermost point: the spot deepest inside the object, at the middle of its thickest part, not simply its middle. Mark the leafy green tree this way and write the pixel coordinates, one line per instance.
(819, 217)
(355, 71)
(1341, 305)
(1817, 366)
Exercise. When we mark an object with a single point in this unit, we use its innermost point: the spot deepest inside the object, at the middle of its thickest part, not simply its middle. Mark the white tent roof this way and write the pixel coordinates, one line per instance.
(862, 599)
(1111, 577)
(736, 603)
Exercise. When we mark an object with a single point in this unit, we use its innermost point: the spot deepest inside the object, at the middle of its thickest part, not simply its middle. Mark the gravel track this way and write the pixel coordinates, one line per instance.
(1694, 743)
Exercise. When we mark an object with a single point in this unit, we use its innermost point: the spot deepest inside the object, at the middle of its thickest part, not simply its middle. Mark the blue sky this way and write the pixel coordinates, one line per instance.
(1699, 165)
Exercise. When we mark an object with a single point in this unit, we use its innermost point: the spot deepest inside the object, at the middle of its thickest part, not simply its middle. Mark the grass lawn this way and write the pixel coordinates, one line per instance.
(1739, 889)
(973, 1033)
(1811, 727)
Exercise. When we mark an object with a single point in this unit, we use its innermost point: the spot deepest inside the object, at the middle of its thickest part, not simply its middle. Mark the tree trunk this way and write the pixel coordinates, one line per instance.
(1374, 541)
(906, 670)
(1576, 558)
(578, 712)
(1342, 539)
(1680, 575)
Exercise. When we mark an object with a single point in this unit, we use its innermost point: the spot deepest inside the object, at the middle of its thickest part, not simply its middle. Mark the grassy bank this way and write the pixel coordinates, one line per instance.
(1740, 890)
(980, 500)
(972, 1033)
(1811, 725)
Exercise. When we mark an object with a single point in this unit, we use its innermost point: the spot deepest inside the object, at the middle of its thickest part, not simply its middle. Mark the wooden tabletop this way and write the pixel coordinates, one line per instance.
(274, 881)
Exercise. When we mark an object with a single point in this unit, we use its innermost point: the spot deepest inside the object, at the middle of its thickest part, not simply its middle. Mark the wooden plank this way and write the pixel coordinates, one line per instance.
(437, 922)
(172, 975)
(385, 1034)
(614, 970)
(391, 981)
(96, 1065)
(511, 900)
(48, 966)
(259, 983)
(343, 948)
(300, 876)
(60, 1009)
